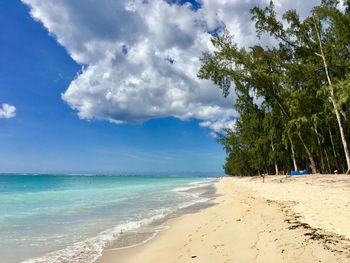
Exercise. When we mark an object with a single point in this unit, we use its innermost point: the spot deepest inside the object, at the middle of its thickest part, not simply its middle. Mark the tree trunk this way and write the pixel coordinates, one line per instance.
(323, 166)
(336, 110)
(295, 164)
(311, 159)
(328, 164)
(276, 169)
(345, 146)
(273, 149)
(333, 147)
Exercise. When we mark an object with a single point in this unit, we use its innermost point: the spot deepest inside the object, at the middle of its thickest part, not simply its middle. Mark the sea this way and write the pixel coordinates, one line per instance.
(73, 218)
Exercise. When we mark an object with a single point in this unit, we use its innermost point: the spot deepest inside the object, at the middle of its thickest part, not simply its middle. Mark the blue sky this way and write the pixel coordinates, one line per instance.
(111, 85)
(47, 135)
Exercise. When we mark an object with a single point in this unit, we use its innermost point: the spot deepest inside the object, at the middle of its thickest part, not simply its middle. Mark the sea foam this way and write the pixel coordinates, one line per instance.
(89, 250)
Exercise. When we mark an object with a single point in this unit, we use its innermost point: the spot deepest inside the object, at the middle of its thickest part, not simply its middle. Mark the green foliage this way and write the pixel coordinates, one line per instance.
(284, 96)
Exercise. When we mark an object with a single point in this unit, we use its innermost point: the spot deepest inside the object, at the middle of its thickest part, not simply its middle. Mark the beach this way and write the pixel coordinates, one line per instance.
(71, 218)
(285, 219)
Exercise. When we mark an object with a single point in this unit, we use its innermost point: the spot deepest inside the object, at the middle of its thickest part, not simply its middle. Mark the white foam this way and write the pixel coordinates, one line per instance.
(90, 250)
(194, 185)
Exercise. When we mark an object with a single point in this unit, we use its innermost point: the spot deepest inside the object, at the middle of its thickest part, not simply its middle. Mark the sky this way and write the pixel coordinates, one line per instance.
(110, 86)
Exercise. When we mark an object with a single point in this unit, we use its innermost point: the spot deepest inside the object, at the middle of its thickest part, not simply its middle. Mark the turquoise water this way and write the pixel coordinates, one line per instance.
(63, 218)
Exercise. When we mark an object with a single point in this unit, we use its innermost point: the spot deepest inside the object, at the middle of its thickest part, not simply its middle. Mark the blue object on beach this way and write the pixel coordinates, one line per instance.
(302, 172)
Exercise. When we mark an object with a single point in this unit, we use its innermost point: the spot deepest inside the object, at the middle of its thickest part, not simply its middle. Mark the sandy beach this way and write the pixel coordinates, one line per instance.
(296, 219)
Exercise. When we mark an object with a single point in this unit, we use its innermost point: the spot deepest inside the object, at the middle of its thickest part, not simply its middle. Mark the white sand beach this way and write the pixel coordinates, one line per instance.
(295, 219)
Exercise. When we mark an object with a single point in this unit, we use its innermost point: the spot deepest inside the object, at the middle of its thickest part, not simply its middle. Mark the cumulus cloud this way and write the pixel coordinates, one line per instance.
(219, 125)
(140, 58)
(7, 111)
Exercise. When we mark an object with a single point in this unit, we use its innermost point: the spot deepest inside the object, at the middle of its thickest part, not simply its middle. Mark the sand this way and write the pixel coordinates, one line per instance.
(303, 219)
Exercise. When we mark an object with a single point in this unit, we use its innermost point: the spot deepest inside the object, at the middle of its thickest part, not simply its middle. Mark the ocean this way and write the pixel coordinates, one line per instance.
(72, 218)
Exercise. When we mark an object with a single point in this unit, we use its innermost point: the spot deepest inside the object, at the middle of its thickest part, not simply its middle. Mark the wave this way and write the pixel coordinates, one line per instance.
(89, 250)
(195, 185)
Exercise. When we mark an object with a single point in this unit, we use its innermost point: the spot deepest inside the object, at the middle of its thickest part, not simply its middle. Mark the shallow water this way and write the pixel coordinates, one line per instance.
(64, 218)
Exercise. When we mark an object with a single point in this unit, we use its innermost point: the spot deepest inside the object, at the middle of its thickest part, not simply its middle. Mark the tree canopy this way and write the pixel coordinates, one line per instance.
(293, 98)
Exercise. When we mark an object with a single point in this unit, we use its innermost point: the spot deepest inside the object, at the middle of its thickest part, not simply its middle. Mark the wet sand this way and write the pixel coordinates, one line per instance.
(299, 219)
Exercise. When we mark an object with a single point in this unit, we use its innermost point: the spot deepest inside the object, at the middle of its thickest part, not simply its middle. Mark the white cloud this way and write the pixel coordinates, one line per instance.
(141, 57)
(7, 111)
(219, 125)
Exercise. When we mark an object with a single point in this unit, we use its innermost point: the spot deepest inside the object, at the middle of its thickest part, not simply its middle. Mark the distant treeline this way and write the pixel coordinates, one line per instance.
(293, 98)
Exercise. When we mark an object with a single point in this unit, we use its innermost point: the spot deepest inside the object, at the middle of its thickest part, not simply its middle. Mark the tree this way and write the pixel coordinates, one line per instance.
(290, 95)
(325, 34)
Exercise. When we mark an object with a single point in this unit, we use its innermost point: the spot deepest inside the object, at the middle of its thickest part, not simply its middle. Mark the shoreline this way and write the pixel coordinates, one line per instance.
(256, 222)
(205, 193)
(144, 217)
